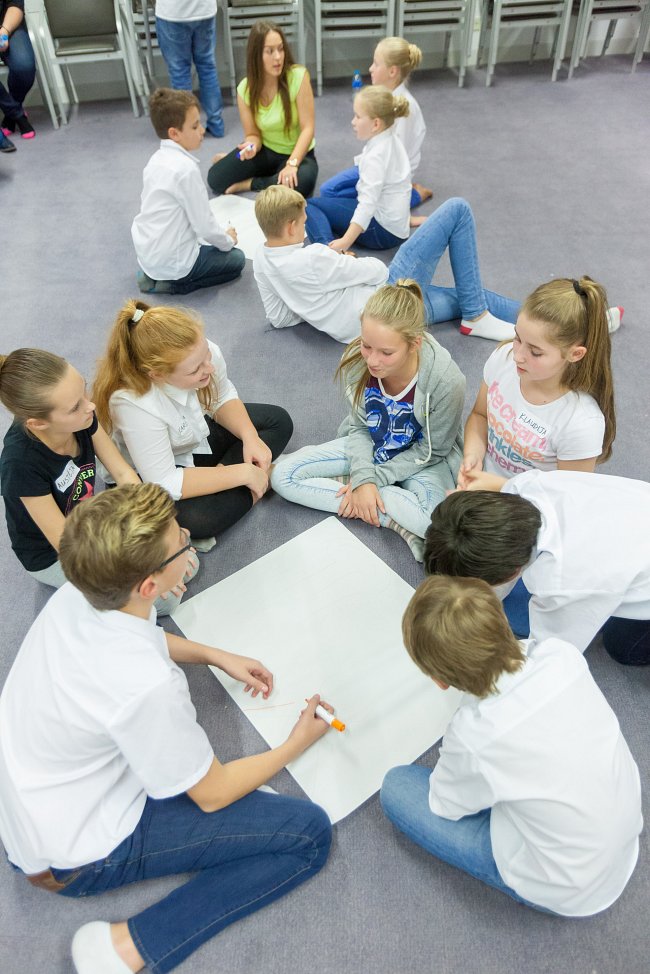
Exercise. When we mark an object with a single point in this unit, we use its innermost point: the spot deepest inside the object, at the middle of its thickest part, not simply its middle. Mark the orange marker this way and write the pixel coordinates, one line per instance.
(329, 718)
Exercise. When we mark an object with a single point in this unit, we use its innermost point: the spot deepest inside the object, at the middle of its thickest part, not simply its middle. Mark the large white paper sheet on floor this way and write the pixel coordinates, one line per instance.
(240, 212)
(324, 614)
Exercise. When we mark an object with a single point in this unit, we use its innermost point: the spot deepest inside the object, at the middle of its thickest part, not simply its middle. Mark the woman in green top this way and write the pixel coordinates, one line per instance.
(276, 107)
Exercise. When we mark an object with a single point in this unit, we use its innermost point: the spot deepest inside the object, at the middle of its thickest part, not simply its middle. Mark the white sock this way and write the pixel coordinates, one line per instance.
(203, 544)
(488, 327)
(93, 951)
(614, 318)
(414, 541)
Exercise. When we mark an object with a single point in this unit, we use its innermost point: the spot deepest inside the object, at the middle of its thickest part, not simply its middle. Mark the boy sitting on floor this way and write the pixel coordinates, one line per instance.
(535, 791)
(313, 284)
(107, 778)
(179, 244)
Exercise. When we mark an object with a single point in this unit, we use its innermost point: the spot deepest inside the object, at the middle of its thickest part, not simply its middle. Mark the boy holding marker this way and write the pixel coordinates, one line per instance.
(535, 791)
(179, 244)
(106, 778)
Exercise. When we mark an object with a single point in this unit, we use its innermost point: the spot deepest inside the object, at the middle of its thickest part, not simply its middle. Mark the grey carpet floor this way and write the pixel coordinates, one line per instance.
(559, 179)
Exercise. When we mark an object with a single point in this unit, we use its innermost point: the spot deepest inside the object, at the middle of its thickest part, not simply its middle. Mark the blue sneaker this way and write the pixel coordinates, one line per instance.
(6, 145)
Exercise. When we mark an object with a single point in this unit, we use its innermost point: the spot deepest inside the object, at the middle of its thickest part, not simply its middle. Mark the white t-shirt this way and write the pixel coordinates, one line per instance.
(522, 436)
(410, 130)
(94, 717)
(159, 432)
(384, 185)
(547, 755)
(175, 215)
(182, 10)
(592, 559)
(317, 285)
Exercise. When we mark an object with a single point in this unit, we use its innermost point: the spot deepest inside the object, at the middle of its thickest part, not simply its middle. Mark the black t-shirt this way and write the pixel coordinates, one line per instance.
(28, 468)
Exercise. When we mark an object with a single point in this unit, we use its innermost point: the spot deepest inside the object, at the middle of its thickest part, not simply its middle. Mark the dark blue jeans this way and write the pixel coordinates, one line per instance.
(211, 267)
(345, 184)
(244, 857)
(627, 640)
(328, 217)
(19, 58)
(182, 42)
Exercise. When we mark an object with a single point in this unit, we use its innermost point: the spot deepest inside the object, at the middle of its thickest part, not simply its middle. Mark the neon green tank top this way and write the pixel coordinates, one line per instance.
(270, 118)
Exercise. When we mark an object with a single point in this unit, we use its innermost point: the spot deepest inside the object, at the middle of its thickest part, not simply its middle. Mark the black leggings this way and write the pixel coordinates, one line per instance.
(627, 640)
(263, 169)
(211, 514)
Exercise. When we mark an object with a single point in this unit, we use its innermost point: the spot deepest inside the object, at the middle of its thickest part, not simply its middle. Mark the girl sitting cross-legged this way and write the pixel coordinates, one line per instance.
(399, 450)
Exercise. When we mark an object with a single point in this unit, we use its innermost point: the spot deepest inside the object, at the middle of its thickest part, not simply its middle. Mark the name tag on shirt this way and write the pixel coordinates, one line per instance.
(68, 476)
(531, 422)
(183, 427)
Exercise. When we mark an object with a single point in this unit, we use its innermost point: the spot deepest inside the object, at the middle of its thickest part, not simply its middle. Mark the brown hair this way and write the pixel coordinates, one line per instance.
(575, 313)
(481, 534)
(115, 540)
(168, 109)
(276, 206)
(379, 102)
(255, 68)
(398, 53)
(157, 342)
(27, 377)
(399, 307)
(456, 631)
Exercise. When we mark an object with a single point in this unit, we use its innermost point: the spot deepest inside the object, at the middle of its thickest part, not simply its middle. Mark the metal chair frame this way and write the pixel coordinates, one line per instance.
(449, 17)
(611, 10)
(122, 50)
(524, 13)
(350, 18)
(644, 35)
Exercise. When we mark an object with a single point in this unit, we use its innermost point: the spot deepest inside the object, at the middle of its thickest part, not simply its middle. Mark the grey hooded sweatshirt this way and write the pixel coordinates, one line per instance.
(438, 407)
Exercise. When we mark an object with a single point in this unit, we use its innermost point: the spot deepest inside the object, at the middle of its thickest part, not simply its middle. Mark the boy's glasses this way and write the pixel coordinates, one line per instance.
(181, 551)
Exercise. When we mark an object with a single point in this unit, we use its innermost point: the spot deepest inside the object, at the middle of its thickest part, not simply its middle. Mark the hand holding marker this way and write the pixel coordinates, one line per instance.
(328, 718)
(249, 145)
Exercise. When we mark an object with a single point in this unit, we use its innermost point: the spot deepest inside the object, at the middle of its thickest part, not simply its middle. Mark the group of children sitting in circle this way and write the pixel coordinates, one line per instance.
(172, 434)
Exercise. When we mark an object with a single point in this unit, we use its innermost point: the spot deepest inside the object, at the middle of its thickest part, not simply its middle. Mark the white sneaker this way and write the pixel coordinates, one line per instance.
(93, 951)
(203, 544)
(614, 318)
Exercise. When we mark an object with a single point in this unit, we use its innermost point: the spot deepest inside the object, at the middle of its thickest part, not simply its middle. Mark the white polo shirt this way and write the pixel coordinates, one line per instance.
(317, 285)
(94, 717)
(592, 558)
(411, 129)
(175, 215)
(159, 432)
(384, 186)
(547, 755)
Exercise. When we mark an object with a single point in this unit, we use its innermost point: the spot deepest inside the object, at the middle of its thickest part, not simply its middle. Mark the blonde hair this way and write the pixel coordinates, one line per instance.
(456, 631)
(115, 540)
(27, 378)
(398, 53)
(276, 206)
(160, 339)
(379, 102)
(397, 306)
(575, 313)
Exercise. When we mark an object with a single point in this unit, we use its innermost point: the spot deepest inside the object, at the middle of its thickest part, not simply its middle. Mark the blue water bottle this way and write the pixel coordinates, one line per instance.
(357, 82)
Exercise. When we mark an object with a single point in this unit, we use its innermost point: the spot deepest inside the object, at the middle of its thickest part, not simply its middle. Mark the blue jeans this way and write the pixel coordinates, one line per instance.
(328, 217)
(627, 640)
(344, 184)
(465, 844)
(180, 43)
(244, 857)
(211, 267)
(19, 58)
(515, 606)
(451, 225)
(306, 477)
